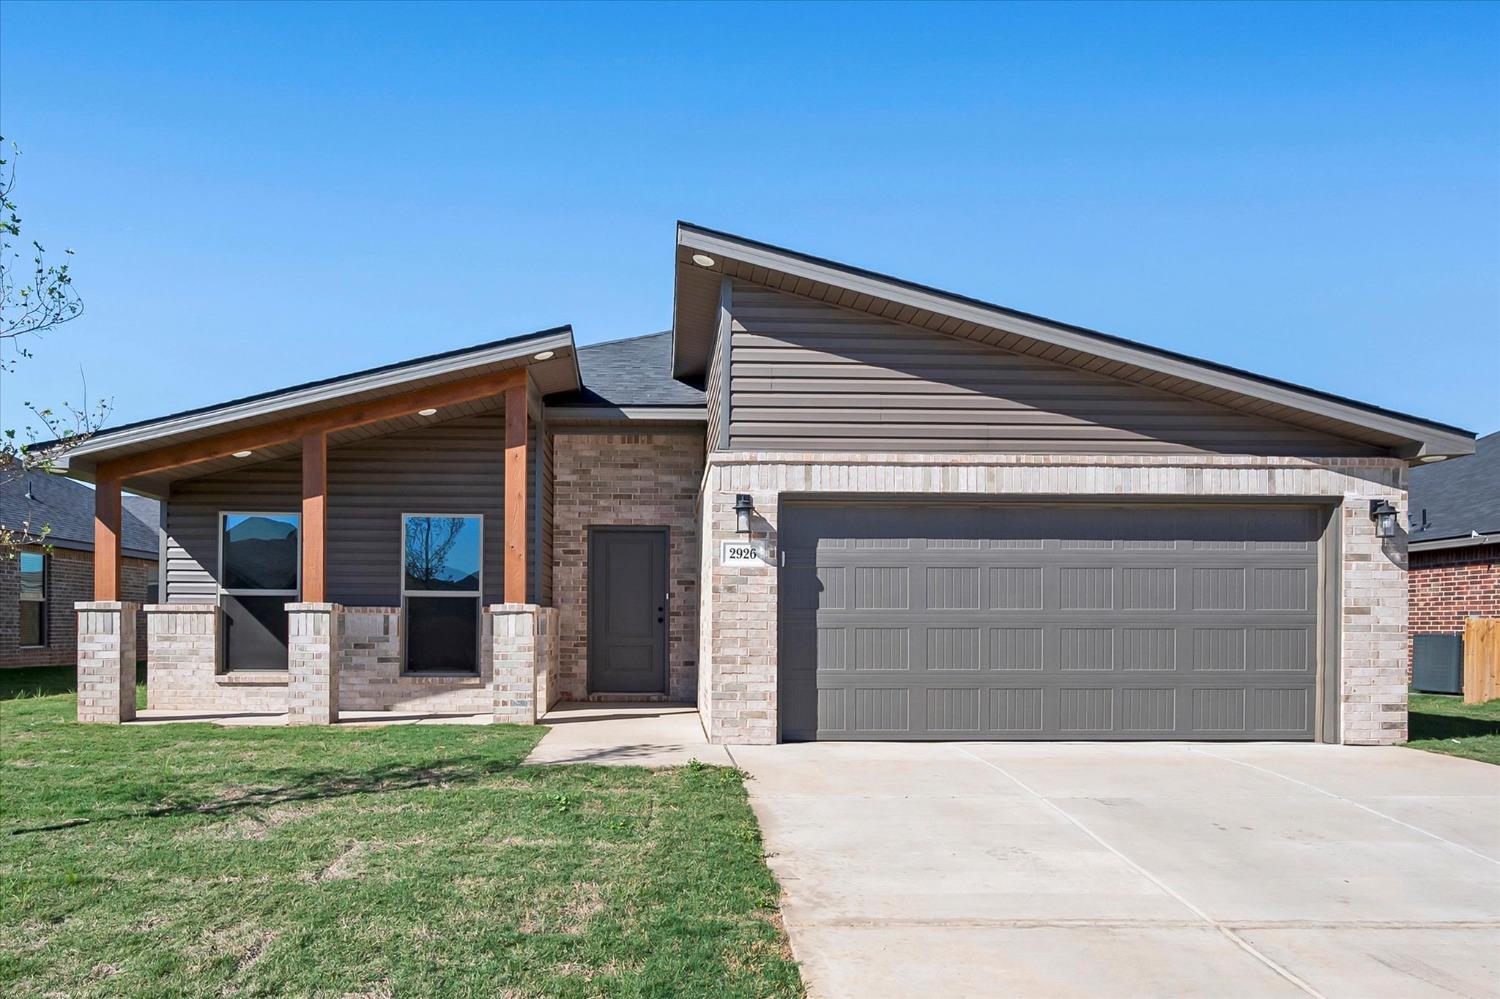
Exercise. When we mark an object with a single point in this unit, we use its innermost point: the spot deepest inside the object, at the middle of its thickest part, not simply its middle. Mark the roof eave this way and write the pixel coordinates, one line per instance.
(1423, 438)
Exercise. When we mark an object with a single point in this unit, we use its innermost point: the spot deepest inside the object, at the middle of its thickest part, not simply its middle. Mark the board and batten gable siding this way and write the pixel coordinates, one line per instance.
(455, 467)
(806, 375)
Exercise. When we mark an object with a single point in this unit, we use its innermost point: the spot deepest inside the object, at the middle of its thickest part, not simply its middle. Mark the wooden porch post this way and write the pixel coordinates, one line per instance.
(515, 493)
(315, 517)
(107, 538)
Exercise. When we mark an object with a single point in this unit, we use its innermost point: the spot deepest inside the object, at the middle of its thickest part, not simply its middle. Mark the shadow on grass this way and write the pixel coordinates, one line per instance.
(1429, 725)
(315, 786)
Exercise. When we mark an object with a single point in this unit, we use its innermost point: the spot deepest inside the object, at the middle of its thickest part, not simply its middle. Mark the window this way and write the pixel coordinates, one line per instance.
(259, 574)
(33, 599)
(441, 587)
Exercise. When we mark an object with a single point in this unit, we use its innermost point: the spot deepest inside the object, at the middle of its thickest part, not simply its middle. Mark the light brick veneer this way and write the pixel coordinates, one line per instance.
(524, 646)
(738, 628)
(183, 652)
(106, 660)
(313, 647)
(370, 678)
(626, 480)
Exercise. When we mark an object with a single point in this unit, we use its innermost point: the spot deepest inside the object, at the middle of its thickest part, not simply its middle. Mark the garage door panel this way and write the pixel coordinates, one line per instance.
(1121, 623)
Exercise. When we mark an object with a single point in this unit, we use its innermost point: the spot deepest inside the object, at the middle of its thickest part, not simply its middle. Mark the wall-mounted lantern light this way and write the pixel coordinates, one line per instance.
(742, 510)
(1384, 515)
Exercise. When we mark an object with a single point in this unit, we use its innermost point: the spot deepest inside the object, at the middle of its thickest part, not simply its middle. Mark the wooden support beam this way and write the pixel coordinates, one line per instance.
(107, 539)
(515, 494)
(295, 428)
(315, 517)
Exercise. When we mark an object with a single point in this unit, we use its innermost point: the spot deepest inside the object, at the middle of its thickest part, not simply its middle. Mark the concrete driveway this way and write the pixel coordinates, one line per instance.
(1133, 870)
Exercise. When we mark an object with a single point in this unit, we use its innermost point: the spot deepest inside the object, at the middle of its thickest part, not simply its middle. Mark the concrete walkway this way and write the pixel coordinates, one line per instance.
(1133, 870)
(640, 735)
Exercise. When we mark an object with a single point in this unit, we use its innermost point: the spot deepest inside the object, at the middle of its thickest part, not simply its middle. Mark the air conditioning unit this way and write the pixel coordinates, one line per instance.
(1437, 664)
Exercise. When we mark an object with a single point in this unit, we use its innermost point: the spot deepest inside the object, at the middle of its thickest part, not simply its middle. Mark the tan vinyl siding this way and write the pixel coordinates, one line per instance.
(806, 374)
(454, 467)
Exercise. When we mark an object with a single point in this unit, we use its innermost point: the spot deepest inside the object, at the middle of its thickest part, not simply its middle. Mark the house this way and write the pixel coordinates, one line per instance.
(42, 582)
(827, 504)
(1455, 541)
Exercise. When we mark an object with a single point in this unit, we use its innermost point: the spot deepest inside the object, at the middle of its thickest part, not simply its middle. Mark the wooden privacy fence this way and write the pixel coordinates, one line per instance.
(1481, 659)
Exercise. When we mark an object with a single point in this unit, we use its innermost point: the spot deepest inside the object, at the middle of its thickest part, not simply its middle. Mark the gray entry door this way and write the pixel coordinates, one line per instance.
(628, 610)
(1060, 621)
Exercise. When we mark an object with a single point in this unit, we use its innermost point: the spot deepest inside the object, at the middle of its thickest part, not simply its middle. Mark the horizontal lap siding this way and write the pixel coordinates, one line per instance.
(810, 375)
(455, 467)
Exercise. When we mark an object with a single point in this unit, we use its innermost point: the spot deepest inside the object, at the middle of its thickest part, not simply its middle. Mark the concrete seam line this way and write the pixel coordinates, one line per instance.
(1228, 934)
(1351, 801)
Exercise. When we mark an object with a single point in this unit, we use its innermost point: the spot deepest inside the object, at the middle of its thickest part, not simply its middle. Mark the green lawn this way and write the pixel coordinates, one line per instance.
(1443, 723)
(404, 861)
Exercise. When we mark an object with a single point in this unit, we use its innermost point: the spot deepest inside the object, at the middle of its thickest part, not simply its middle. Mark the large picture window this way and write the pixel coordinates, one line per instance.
(260, 562)
(441, 585)
(33, 567)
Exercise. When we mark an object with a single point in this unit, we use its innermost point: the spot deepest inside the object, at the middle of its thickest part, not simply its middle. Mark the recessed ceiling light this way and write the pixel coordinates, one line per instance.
(243, 454)
(426, 412)
(703, 260)
(544, 355)
(1434, 457)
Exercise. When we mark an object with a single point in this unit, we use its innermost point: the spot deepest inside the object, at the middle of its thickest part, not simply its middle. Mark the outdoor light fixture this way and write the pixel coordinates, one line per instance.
(1384, 515)
(544, 355)
(742, 510)
(703, 260)
(1433, 457)
(426, 412)
(243, 454)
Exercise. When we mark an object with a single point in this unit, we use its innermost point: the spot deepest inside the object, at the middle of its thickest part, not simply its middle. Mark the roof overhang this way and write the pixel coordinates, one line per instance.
(434, 373)
(695, 322)
(1442, 544)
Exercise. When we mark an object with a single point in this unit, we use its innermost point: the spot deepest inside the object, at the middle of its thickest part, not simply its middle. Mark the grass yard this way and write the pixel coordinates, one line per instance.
(1443, 723)
(412, 860)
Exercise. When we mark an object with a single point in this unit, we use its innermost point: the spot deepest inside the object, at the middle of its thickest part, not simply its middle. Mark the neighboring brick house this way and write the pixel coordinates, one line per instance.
(40, 583)
(827, 504)
(1455, 541)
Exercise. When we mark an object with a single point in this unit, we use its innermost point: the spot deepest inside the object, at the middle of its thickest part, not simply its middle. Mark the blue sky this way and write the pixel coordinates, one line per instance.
(268, 193)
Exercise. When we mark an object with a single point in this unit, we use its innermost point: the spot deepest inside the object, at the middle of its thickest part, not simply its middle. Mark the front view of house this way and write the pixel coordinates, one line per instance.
(828, 504)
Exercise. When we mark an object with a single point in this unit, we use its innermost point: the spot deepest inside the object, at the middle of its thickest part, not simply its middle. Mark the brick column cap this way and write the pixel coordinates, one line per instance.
(104, 605)
(180, 608)
(513, 608)
(313, 608)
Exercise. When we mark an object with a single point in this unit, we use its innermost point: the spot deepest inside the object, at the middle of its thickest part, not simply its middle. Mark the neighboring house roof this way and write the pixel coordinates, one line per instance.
(66, 509)
(1453, 501)
(705, 257)
(627, 373)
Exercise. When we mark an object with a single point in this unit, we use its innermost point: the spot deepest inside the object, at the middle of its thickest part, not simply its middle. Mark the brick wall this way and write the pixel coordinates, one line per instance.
(737, 684)
(370, 677)
(70, 580)
(184, 676)
(1450, 585)
(643, 480)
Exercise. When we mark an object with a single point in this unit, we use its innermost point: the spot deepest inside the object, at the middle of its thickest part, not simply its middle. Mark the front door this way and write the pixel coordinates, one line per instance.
(628, 610)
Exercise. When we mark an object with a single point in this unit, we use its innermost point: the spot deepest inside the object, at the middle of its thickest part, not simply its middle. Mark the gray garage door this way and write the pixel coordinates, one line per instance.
(1061, 621)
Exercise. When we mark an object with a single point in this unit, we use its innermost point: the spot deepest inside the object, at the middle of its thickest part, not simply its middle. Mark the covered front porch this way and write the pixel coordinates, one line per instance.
(418, 607)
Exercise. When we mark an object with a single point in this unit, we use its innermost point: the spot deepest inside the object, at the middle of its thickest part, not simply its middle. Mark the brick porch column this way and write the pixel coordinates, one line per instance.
(513, 678)
(313, 663)
(106, 660)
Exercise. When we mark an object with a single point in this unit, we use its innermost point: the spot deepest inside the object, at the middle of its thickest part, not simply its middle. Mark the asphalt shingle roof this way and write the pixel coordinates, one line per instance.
(633, 372)
(1453, 498)
(67, 507)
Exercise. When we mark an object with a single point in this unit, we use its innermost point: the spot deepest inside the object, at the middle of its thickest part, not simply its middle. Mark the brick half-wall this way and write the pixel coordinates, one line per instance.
(738, 645)
(70, 580)
(626, 480)
(1450, 585)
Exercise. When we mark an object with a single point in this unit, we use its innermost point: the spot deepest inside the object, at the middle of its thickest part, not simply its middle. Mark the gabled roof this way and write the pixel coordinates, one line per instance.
(1454, 500)
(66, 509)
(706, 256)
(558, 372)
(633, 372)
